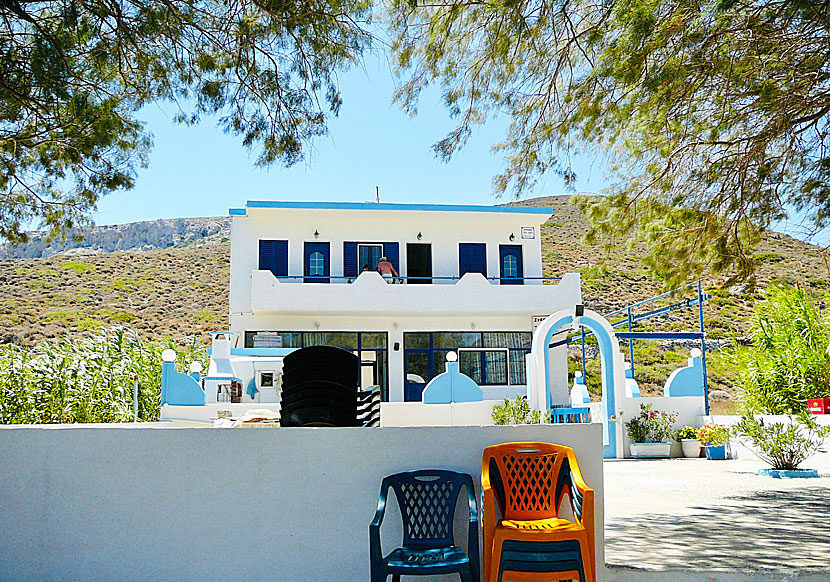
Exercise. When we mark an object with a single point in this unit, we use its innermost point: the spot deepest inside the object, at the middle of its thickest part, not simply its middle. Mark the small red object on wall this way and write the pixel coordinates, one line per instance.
(819, 405)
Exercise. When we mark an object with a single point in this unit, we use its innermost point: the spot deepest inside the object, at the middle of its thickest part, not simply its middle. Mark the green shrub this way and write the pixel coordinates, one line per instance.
(783, 445)
(515, 412)
(787, 362)
(85, 379)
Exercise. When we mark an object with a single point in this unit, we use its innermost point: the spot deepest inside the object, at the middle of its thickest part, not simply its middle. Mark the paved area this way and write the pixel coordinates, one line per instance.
(694, 514)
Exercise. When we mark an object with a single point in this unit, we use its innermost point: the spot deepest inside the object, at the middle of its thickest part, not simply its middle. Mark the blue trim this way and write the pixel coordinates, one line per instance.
(237, 212)
(396, 206)
(609, 450)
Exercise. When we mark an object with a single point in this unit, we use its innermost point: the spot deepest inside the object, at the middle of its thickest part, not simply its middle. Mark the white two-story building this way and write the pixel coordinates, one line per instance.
(470, 280)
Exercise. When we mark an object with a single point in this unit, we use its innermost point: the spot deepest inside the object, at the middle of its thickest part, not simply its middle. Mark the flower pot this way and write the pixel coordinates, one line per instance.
(650, 450)
(691, 448)
(716, 453)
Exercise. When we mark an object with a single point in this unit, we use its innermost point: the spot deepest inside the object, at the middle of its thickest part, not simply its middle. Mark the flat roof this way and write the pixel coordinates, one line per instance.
(389, 206)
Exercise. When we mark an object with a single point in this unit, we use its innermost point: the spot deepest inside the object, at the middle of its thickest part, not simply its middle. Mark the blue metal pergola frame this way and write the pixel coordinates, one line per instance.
(630, 319)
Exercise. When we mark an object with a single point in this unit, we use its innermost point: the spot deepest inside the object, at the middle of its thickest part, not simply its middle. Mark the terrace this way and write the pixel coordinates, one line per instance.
(137, 502)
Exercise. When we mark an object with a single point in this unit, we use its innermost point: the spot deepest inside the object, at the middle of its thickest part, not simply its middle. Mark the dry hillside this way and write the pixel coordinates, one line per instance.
(183, 291)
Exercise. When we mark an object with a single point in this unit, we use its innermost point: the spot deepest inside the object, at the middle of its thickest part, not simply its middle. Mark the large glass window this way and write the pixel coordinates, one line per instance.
(371, 348)
(489, 358)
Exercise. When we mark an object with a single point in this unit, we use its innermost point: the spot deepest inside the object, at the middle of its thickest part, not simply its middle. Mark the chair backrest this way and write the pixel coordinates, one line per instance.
(528, 478)
(427, 500)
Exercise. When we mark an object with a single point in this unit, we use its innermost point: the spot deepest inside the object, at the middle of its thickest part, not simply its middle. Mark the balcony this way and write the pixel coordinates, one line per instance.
(369, 294)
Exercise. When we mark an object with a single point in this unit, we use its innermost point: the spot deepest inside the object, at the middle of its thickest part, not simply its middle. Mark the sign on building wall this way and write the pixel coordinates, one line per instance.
(528, 232)
(537, 320)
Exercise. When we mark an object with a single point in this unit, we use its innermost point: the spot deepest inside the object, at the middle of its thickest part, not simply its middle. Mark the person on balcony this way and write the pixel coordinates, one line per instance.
(387, 270)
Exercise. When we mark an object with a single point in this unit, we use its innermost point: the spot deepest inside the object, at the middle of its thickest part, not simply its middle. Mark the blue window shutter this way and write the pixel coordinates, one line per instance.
(350, 259)
(472, 258)
(273, 256)
(390, 250)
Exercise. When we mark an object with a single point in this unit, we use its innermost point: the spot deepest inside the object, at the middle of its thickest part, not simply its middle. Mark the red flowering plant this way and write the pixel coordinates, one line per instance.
(651, 426)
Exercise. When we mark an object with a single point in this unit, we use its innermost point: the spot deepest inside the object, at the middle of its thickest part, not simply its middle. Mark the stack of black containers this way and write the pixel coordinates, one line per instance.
(319, 387)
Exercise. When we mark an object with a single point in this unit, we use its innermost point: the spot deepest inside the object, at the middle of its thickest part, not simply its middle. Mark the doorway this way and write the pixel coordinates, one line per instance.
(418, 263)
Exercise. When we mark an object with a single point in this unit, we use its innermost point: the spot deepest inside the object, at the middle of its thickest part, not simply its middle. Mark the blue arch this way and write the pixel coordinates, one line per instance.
(606, 350)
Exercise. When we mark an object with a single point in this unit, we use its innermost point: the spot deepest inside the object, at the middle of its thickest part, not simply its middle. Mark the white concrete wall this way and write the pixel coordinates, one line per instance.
(143, 503)
(690, 410)
(443, 230)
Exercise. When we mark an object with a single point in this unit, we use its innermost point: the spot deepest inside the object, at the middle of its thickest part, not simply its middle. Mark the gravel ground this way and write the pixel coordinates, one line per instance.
(692, 514)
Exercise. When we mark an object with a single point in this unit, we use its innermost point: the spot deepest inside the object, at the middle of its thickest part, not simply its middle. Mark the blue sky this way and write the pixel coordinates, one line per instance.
(200, 171)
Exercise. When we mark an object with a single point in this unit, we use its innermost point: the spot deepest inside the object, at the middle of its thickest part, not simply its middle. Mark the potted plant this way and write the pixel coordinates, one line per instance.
(715, 437)
(688, 439)
(649, 432)
(784, 446)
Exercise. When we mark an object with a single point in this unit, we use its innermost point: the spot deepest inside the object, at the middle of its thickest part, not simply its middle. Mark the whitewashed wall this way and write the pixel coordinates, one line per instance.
(122, 503)
(689, 409)
(444, 230)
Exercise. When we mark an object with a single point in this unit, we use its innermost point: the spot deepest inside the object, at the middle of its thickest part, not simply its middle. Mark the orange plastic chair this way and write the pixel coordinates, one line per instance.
(528, 482)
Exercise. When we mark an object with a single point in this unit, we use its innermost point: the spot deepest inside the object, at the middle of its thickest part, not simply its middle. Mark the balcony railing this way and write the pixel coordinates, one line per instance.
(436, 280)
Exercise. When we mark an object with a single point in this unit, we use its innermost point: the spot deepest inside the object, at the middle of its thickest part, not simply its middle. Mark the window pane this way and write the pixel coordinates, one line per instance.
(495, 364)
(508, 339)
(373, 340)
(417, 367)
(471, 365)
(416, 341)
(439, 362)
(368, 256)
(316, 264)
(517, 366)
(511, 266)
(345, 340)
(457, 340)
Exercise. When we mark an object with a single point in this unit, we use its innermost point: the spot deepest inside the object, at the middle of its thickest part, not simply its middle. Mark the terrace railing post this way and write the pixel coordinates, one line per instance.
(135, 399)
(630, 343)
(702, 345)
(582, 331)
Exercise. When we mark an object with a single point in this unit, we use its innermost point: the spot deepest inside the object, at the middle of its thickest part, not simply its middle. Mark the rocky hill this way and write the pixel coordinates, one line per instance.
(180, 286)
(135, 236)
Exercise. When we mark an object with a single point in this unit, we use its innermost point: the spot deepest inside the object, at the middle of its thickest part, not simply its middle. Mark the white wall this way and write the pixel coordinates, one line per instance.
(443, 230)
(144, 503)
(690, 410)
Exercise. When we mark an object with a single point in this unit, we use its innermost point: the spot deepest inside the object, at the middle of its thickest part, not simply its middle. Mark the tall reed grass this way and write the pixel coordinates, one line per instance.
(88, 378)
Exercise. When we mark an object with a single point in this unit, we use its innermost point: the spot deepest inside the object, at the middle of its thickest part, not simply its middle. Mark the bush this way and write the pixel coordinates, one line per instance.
(651, 426)
(713, 434)
(687, 432)
(85, 379)
(783, 445)
(787, 362)
(517, 412)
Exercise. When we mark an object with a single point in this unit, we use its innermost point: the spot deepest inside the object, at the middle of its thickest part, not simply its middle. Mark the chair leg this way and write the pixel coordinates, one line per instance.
(466, 574)
(396, 578)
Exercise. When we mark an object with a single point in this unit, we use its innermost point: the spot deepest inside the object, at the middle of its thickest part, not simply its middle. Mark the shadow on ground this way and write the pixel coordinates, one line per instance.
(770, 530)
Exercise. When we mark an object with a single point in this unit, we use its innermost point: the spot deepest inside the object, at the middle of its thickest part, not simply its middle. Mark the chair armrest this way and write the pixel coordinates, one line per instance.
(587, 517)
(488, 520)
(375, 552)
(472, 528)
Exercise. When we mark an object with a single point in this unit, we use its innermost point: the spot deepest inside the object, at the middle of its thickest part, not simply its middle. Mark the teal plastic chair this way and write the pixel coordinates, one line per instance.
(427, 501)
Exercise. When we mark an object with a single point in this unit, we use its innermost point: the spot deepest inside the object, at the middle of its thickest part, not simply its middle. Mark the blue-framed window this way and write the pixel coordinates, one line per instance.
(489, 358)
(511, 267)
(316, 262)
(371, 348)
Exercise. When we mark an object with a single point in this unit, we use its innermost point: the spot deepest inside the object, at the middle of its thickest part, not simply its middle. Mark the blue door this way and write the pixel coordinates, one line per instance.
(472, 258)
(316, 263)
(512, 269)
